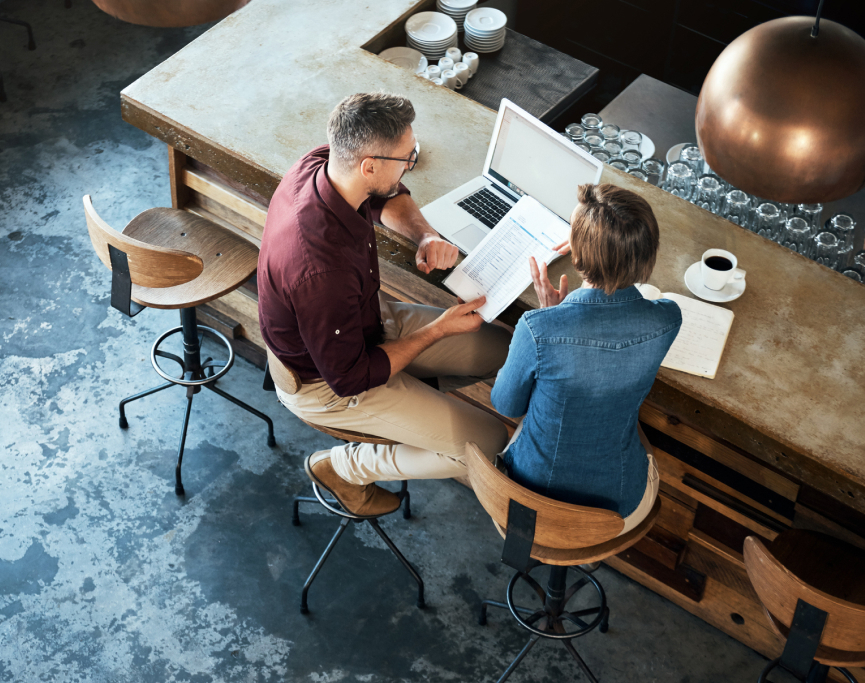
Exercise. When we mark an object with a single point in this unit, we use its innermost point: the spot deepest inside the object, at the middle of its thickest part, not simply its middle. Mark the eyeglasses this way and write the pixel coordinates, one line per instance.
(411, 160)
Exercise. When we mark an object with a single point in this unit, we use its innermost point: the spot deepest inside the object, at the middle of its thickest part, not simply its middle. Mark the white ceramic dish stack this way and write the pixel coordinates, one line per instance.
(456, 9)
(431, 33)
(485, 30)
(405, 57)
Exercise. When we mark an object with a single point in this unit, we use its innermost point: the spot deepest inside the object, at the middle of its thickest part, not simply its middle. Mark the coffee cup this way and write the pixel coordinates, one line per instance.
(463, 74)
(449, 79)
(446, 63)
(436, 81)
(434, 71)
(648, 291)
(454, 53)
(718, 269)
(471, 59)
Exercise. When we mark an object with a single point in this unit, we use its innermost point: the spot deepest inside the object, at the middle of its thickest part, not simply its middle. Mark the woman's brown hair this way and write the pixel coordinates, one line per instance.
(614, 237)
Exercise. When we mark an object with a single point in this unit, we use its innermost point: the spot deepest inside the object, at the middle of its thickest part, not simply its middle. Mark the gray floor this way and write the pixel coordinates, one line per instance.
(104, 574)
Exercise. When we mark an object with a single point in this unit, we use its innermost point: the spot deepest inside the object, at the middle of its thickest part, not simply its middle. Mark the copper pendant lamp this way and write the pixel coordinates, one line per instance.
(781, 114)
(169, 13)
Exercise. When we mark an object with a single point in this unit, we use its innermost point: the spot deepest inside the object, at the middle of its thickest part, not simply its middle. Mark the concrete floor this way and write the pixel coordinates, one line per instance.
(105, 575)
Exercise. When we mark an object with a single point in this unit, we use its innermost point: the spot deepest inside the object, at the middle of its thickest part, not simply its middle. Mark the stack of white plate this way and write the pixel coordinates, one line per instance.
(432, 33)
(485, 29)
(456, 9)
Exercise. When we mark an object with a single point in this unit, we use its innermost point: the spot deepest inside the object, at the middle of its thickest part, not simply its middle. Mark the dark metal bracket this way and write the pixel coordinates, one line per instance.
(519, 537)
(804, 638)
(121, 284)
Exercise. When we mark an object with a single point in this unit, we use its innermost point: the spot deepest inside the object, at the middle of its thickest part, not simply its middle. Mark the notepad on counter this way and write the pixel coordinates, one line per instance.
(701, 339)
(498, 267)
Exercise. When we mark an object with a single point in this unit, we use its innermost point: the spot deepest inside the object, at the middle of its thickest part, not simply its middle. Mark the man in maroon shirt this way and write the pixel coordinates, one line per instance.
(361, 358)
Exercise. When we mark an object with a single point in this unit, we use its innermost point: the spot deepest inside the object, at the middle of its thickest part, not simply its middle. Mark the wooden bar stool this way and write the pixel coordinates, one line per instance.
(812, 587)
(542, 531)
(167, 258)
(289, 382)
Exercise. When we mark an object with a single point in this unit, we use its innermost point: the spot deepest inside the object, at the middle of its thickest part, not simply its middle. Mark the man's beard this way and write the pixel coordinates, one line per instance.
(387, 194)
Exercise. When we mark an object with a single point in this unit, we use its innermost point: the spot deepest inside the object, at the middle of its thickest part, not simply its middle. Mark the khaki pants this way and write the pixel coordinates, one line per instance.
(430, 427)
(653, 482)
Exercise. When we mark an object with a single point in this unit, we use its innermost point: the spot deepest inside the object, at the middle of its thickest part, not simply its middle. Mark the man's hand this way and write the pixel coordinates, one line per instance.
(434, 252)
(547, 295)
(460, 319)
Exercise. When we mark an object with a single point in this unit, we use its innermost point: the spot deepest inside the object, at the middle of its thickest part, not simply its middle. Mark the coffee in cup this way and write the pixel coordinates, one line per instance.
(718, 268)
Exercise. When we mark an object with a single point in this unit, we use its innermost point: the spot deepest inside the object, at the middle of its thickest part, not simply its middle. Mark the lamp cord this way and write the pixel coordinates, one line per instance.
(815, 29)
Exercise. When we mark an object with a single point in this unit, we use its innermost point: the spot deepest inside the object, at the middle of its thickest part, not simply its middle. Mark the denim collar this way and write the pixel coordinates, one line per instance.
(597, 296)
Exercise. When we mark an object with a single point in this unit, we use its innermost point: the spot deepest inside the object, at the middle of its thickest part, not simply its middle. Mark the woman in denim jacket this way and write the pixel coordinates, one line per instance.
(580, 366)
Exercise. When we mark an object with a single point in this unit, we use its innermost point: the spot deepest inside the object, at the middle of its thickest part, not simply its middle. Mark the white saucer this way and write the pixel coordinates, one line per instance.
(731, 291)
(674, 152)
(647, 147)
(405, 57)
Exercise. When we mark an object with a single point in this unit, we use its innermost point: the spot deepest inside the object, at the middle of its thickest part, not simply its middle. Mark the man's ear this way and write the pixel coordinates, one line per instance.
(367, 168)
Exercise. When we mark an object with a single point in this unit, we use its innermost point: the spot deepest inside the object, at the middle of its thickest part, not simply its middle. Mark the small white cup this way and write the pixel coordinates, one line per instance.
(648, 291)
(424, 74)
(718, 268)
(463, 74)
(454, 53)
(437, 81)
(446, 63)
(449, 79)
(433, 71)
(472, 60)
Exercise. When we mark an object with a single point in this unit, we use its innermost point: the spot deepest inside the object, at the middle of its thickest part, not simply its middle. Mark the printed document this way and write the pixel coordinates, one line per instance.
(498, 267)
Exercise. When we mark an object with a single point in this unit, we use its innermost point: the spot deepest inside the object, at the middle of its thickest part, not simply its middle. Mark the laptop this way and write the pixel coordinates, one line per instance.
(526, 157)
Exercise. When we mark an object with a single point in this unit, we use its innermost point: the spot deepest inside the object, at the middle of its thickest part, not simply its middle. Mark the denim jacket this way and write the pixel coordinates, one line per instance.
(579, 372)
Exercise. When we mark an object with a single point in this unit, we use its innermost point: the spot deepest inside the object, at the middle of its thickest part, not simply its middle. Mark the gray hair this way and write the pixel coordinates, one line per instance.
(367, 123)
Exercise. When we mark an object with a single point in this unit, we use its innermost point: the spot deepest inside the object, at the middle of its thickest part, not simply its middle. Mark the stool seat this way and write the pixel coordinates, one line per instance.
(349, 436)
(228, 259)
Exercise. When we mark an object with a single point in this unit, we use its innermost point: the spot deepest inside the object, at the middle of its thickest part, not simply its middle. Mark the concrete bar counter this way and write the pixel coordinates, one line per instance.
(776, 440)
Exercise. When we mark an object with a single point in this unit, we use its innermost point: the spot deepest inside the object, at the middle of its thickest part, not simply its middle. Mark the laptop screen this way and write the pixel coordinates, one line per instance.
(530, 161)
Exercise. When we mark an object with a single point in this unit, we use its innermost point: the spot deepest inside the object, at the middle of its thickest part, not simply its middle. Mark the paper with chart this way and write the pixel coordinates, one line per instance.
(701, 339)
(499, 266)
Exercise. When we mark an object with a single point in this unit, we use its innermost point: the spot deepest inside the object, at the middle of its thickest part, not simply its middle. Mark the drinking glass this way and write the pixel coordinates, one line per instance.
(787, 210)
(639, 173)
(631, 140)
(852, 274)
(842, 226)
(709, 194)
(767, 221)
(610, 131)
(619, 163)
(680, 180)
(634, 159)
(737, 208)
(826, 249)
(584, 146)
(811, 213)
(592, 122)
(796, 235)
(593, 140)
(575, 131)
(655, 168)
(601, 155)
(692, 156)
(614, 147)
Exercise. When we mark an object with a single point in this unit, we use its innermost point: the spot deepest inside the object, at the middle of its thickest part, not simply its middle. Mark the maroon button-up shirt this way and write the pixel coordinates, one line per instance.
(318, 281)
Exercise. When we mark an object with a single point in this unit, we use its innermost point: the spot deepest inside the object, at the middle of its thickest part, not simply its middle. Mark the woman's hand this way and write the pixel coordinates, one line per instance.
(547, 295)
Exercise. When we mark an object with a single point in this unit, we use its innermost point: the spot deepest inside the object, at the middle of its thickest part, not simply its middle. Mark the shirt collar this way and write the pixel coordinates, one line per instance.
(597, 296)
(357, 222)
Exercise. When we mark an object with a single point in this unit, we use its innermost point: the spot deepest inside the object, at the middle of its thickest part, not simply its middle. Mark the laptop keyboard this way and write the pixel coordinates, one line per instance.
(486, 206)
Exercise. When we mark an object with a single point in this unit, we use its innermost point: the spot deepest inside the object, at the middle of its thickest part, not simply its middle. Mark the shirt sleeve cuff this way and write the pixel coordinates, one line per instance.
(379, 367)
(376, 204)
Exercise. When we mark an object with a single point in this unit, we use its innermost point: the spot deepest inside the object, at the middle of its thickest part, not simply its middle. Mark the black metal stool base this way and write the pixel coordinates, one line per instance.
(818, 673)
(333, 507)
(550, 620)
(195, 374)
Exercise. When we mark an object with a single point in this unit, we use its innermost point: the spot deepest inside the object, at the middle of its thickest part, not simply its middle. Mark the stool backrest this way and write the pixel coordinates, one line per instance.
(286, 379)
(149, 265)
(558, 525)
(779, 590)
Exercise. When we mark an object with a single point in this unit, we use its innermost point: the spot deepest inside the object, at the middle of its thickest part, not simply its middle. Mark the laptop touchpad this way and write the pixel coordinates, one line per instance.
(470, 236)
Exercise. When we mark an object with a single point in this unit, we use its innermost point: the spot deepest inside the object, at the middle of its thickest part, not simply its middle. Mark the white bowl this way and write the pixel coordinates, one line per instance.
(430, 27)
(405, 57)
